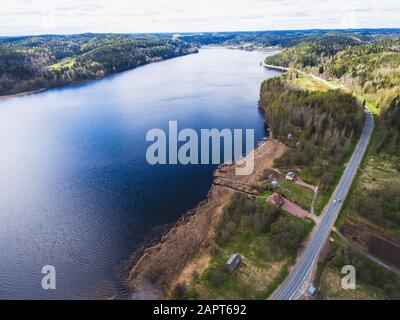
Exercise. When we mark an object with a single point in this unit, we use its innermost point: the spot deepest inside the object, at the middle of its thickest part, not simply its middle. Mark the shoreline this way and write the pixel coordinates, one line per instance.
(80, 82)
(22, 94)
(155, 268)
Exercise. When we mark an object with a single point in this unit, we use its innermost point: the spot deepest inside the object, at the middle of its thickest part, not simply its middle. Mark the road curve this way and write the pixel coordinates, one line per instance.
(298, 277)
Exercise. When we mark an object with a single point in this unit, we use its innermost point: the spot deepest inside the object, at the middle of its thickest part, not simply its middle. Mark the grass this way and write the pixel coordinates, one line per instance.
(373, 107)
(331, 288)
(328, 277)
(297, 193)
(265, 195)
(66, 63)
(335, 83)
(375, 171)
(306, 82)
(252, 278)
(260, 272)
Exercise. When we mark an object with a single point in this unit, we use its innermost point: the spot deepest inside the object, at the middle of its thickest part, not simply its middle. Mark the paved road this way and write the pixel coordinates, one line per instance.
(301, 272)
(284, 69)
(299, 276)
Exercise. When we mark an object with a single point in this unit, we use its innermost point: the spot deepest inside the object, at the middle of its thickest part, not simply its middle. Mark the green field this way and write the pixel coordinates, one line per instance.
(263, 267)
(331, 288)
(297, 193)
(306, 82)
(66, 63)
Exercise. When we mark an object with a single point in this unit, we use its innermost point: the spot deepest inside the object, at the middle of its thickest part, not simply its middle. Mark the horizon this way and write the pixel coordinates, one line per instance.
(62, 17)
(203, 32)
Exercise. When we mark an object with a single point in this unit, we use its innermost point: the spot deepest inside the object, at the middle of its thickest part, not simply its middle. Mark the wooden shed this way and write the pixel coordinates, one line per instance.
(233, 262)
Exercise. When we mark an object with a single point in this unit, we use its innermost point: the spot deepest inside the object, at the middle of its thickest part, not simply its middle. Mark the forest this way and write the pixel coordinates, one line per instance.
(313, 52)
(319, 127)
(282, 38)
(369, 66)
(36, 62)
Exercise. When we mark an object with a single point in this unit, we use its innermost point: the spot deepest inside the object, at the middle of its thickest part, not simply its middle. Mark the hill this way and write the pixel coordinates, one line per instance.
(31, 63)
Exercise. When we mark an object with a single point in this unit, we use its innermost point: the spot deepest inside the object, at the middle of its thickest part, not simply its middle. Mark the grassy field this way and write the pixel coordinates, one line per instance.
(306, 82)
(331, 288)
(66, 63)
(260, 272)
(297, 193)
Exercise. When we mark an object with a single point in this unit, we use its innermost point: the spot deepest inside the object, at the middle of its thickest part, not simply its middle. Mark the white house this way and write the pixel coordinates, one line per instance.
(291, 176)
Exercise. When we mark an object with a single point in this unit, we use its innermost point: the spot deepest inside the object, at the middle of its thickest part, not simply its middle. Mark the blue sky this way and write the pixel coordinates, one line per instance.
(21, 17)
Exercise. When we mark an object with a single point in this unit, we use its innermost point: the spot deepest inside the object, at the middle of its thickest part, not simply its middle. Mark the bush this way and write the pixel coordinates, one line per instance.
(179, 292)
(382, 206)
(287, 233)
(217, 276)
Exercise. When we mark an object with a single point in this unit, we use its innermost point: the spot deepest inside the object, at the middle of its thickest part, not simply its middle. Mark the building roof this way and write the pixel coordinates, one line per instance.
(277, 198)
(311, 289)
(232, 258)
(275, 182)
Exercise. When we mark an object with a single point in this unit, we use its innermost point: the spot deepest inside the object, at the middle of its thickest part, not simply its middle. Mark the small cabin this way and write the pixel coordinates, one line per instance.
(275, 184)
(311, 290)
(233, 262)
(291, 176)
(277, 199)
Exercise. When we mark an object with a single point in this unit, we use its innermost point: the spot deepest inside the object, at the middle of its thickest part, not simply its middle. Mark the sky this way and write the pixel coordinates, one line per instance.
(21, 17)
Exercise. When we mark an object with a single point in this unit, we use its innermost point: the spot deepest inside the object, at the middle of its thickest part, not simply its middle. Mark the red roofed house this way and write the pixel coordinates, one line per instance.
(277, 199)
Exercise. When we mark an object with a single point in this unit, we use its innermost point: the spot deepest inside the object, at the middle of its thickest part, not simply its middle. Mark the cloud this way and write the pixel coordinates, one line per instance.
(75, 16)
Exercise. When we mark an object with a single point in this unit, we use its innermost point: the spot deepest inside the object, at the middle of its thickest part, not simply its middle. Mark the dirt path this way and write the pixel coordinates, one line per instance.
(294, 209)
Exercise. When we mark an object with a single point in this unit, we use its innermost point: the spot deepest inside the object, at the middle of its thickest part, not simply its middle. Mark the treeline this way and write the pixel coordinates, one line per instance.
(369, 65)
(381, 204)
(284, 39)
(313, 53)
(389, 130)
(30, 63)
(319, 127)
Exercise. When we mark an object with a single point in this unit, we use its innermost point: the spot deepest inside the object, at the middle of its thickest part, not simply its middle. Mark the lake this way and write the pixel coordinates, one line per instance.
(76, 191)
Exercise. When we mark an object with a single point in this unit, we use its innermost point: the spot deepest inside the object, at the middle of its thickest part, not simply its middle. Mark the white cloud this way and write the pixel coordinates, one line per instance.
(74, 16)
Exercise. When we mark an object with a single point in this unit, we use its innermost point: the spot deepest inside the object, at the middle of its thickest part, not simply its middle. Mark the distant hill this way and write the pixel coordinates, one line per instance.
(30, 63)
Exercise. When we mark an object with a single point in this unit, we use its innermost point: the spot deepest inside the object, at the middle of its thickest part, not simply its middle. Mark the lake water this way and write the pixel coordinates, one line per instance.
(76, 191)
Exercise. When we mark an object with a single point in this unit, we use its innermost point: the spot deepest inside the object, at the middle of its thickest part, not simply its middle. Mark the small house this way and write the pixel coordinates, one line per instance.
(275, 184)
(233, 262)
(291, 176)
(311, 290)
(277, 199)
